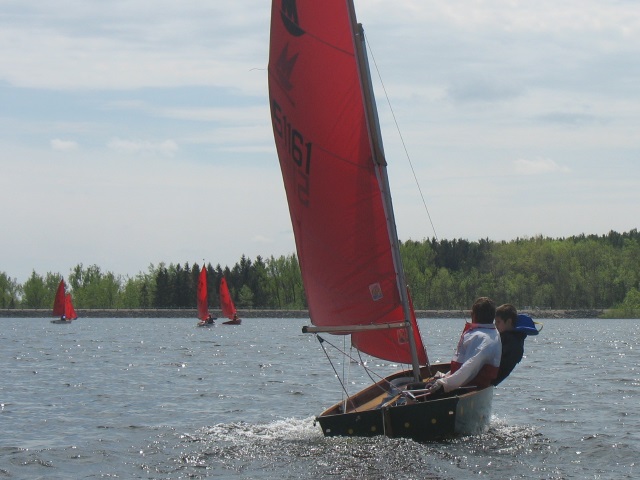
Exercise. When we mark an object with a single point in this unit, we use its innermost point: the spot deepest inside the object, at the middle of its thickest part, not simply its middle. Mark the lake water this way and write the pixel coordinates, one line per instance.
(162, 399)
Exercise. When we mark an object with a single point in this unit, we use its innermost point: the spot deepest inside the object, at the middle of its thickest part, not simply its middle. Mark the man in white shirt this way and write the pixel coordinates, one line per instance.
(477, 358)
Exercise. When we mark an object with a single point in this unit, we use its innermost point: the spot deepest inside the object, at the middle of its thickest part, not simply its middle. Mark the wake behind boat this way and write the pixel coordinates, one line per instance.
(332, 159)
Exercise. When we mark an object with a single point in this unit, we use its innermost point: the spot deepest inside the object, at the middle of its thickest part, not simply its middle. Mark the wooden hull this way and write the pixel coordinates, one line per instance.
(233, 322)
(61, 321)
(376, 412)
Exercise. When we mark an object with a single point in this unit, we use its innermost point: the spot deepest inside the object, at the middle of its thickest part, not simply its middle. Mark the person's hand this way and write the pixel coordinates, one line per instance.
(439, 375)
(437, 385)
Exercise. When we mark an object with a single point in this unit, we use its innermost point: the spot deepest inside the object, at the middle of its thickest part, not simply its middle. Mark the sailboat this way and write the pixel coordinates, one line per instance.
(227, 306)
(329, 145)
(206, 319)
(69, 311)
(63, 306)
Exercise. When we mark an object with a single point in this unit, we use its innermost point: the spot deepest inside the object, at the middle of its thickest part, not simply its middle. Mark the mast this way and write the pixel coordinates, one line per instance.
(377, 149)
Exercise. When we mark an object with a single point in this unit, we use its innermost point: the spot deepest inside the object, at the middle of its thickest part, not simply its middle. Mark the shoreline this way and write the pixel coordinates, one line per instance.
(261, 313)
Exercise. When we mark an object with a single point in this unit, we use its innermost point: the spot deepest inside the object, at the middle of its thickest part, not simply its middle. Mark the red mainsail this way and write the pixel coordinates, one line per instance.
(69, 311)
(59, 302)
(333, 185)
(226, 303)
(203, 299)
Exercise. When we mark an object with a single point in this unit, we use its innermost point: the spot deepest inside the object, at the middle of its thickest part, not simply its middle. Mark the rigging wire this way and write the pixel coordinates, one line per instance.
(362, 362)
(359, 361)
(322, 340)
(344, 375)
(368, 371)
(404, 146)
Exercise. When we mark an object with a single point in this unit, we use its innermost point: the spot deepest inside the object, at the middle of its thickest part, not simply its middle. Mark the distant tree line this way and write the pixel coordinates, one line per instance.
(569, 273)
(573, 273)
(272, 283)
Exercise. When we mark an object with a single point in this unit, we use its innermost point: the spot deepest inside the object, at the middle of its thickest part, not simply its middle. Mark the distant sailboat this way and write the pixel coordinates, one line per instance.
(206, 319)
(69, 311)
(63, 306)
(329, 144)
(227, 306)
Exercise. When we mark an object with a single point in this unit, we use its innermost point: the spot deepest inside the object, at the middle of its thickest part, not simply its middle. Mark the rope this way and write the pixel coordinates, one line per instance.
(404, 146)
(359, 361)
(322, 340)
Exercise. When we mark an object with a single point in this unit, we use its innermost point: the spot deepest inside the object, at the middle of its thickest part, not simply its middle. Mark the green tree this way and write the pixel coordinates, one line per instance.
(179, 281)
(631, 303)
(93, 289)
(286, 286)
(10, 291)
(131, 294)
(443, 288)
(584, 271)
(110, 286)
(162, 295)
(36, 295)
(418, 259)
(245, 297)
(258, 282)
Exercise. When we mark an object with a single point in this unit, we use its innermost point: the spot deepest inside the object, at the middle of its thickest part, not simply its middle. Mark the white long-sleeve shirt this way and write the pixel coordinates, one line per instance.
(479, 348)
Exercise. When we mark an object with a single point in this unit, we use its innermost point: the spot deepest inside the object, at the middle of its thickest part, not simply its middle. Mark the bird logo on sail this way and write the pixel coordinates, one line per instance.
(284, 67)
(289, 15)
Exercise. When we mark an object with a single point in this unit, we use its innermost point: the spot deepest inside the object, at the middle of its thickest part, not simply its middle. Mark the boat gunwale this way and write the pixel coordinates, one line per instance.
(370, 397)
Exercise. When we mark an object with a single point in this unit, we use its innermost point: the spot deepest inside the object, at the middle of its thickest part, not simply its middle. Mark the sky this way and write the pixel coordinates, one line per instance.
(137, 132)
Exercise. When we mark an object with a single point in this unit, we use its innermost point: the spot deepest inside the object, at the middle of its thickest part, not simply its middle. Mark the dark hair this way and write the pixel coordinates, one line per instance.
(484, 310)
(508, 312)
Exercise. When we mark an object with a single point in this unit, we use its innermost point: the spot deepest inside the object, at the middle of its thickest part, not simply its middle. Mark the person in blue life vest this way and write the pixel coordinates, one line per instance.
(513, 328)
(477, 357)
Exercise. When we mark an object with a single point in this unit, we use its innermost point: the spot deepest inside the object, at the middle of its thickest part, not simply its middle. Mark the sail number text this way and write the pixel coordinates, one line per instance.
(299, 151)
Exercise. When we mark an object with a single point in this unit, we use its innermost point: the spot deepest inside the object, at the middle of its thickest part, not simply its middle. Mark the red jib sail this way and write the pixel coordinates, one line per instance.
(226, 303)
(332, 183)
(203, 299)
(58, 302)
(69, 311)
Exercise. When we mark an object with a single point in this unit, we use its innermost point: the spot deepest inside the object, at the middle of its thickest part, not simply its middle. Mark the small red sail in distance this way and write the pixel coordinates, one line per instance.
(226, 303)
(203, 299)
(59, 301)
(69, 311)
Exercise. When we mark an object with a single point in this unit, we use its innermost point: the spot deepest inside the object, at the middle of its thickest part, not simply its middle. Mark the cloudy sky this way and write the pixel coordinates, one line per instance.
(135, 132)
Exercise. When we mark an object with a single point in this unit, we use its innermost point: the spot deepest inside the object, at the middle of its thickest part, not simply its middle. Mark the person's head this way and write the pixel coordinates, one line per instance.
(506, 317)
(483, 310)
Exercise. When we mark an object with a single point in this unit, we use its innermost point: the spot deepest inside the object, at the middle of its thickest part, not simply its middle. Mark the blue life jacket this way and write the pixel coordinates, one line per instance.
(526, 325)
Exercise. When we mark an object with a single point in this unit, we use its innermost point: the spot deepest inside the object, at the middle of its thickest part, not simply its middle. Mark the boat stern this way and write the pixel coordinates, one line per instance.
(473, 412)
